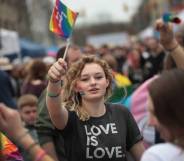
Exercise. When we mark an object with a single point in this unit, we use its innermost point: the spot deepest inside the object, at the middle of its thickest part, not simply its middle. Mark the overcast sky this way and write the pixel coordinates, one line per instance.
(95, 11)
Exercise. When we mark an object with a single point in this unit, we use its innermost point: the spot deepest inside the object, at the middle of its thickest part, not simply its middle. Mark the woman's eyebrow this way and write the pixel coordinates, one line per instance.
(98, 73)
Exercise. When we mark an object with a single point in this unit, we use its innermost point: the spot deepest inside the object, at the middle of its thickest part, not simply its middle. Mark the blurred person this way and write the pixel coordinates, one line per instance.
(11, 124)
(73, 54)
(91, 128)
(26, 63)
(16, 78)
(49, 137)
(132, 68)
(27, 107)
(48, 60)
(152, 63)
(166, 108)
(35, 82)
(89, 49)
(120, 53)
(103, 50)
(7, 93)
(14, 73)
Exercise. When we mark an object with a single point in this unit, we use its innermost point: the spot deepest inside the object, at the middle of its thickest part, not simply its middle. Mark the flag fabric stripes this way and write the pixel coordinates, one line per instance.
(8, 150)
(62, 20)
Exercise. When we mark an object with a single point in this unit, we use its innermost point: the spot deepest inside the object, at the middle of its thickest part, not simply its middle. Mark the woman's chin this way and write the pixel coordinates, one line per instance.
(94, 97)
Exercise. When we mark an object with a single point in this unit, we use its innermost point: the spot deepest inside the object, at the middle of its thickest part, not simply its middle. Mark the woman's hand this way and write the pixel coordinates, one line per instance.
(10, 122)
(57, 70)
(167, 38)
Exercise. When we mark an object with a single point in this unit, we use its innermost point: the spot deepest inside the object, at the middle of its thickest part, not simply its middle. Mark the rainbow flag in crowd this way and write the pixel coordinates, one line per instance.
(8, 150)
(62, 20)
(122, 88)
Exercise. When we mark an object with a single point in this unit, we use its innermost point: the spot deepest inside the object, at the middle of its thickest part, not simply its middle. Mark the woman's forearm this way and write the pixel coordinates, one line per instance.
(58, 114)
(34, 149)
(178, 56)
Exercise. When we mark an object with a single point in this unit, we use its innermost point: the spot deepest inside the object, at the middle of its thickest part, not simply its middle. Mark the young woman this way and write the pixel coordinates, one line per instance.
(92, 129)
(166, 108)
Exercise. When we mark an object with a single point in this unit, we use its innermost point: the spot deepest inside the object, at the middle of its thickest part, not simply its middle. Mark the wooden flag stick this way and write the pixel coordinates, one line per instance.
(66, 50)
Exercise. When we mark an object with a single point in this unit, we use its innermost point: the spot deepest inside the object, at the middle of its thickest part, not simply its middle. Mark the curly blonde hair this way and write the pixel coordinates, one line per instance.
(72, 99)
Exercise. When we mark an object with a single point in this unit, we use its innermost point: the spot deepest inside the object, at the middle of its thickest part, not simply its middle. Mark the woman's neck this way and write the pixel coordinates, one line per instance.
(95, 108)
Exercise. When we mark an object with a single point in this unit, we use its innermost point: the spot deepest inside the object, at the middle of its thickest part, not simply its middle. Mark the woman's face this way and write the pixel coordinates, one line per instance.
(153, 121)
(92, 83)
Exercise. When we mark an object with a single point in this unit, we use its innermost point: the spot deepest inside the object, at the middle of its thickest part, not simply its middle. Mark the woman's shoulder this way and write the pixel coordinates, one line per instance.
(164, 147)
(116, 107)
(164, 151)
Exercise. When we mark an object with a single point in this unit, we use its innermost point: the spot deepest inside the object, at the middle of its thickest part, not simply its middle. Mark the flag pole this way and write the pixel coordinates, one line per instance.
(67, 46)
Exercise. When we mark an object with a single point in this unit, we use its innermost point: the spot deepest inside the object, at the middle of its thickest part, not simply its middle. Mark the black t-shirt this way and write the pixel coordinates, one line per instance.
(103, 138)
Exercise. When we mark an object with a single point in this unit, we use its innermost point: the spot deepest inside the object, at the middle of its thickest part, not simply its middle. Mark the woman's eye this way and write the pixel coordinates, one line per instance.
(84, 79)
(99, 77)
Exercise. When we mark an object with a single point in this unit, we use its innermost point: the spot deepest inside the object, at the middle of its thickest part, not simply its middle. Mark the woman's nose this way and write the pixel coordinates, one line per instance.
(92, 81)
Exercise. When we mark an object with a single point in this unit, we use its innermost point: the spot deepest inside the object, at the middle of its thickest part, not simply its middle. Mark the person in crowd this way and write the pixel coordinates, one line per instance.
(91, 128)
(132, 67)
(166, 108)
(120, 54)
(152, 63)
(7, 93)
(103, 49)
(89, 49)
(35, 82)
(27, 106)
(49, 137)
(11, 124)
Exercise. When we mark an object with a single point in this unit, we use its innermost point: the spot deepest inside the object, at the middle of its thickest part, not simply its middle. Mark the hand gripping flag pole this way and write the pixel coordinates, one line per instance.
(62, 22)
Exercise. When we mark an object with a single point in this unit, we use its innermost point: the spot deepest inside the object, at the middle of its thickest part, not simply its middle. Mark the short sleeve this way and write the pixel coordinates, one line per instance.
(148, 156)
(133, 132)
(70, 124)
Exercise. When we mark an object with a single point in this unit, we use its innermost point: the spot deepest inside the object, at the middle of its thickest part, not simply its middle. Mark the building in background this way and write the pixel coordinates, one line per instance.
(30, 18)
(39, 16)
(14, 16)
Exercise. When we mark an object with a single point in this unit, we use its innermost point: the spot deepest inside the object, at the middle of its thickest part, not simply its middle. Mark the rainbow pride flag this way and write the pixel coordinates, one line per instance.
(122, 88)
(62, 20)
(8, 150)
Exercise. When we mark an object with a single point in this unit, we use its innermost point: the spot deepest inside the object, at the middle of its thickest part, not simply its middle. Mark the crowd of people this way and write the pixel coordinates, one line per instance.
(61, 111)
